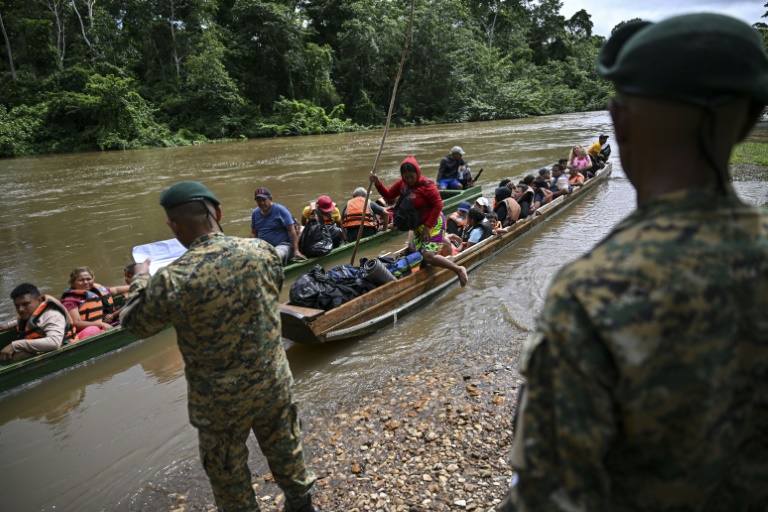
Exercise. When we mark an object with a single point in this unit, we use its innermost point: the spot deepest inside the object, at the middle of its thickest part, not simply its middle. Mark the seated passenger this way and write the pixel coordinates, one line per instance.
(507, 210)
(600, 150)
(483, 205)
(88, 302)
(575, 178)
(42, 325)
(450, 166)
(375, 216)
(479, 230)
(579, 160)
(541, 194)
(326, 208)
(272, 222)
(110, 318)
(559, 185)
(493, 221)
(524, 197)
(457, 221)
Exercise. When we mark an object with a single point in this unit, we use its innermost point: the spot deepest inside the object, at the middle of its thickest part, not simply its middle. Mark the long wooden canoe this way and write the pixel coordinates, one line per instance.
(451, 200)
(34, 368)
(384, 305)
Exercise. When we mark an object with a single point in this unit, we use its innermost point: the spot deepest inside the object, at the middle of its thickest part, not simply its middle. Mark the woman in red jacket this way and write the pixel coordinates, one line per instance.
(428, 236)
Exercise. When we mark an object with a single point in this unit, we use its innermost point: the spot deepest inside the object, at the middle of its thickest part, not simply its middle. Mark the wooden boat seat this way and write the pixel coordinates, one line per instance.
(301, 312)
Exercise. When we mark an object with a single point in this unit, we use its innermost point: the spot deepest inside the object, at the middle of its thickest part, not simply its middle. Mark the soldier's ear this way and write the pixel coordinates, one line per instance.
(620, 116)
(218, 212)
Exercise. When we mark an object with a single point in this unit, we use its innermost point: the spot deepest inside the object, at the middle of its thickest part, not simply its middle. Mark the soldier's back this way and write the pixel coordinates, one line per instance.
(678, 295)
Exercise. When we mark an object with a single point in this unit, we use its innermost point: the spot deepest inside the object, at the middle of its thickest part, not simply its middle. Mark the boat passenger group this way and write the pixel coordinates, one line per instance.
(86, 308)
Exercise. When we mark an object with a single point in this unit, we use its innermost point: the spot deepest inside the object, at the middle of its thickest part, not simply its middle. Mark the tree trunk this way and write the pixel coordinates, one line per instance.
(82, 29)
(8, 48)
(176, 59)
(55, 6)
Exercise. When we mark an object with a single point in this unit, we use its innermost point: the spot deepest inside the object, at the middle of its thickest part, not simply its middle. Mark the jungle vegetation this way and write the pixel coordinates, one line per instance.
(117, 74)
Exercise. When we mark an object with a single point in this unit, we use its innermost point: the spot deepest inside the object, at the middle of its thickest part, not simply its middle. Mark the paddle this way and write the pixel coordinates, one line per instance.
(384, 136)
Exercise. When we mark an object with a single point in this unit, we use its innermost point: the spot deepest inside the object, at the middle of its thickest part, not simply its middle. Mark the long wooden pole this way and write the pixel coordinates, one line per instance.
(384, 136)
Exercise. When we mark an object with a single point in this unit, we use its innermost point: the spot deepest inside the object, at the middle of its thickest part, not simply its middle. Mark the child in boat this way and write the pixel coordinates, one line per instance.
(114, 318)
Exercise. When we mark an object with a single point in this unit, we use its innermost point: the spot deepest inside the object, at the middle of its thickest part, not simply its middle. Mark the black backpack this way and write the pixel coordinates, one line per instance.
(407, 216)
(316, 238)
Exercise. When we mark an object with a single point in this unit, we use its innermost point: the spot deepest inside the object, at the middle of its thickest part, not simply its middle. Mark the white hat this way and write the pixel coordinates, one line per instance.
(482, 201)
(457, 149)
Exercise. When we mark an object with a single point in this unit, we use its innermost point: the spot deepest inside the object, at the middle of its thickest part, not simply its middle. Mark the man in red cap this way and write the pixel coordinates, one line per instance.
(326, 210)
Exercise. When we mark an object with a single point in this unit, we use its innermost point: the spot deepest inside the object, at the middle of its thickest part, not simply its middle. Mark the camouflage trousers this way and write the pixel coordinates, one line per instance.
(224, 455)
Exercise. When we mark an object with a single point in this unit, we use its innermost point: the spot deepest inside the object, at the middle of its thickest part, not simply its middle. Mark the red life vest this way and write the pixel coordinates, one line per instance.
(327, 216)
(354, 212)
(97, 302)
(30, 329)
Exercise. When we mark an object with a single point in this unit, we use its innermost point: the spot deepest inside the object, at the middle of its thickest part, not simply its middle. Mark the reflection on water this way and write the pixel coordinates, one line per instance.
(113, 434)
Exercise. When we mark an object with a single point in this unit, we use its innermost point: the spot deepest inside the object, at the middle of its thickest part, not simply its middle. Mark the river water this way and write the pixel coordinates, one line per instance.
(113, 434)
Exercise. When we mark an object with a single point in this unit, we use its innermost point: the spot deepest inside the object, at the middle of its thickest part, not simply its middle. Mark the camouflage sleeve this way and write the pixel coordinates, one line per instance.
(567, 417)
(146, 312)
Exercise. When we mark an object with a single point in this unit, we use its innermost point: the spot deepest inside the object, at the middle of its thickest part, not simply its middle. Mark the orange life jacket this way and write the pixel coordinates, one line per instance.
(97, 302)
(327, 216)
(460, 220)
(30, 329)
(354, 212)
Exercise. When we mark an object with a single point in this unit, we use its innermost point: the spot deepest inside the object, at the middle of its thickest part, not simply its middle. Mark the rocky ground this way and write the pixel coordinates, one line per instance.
(437, 439)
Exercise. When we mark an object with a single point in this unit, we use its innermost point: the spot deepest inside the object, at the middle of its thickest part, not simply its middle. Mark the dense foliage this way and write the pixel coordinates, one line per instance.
(113, 74)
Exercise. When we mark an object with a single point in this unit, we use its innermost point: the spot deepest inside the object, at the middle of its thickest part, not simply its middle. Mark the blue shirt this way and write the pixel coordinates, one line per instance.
(475, 234)
(273, 227)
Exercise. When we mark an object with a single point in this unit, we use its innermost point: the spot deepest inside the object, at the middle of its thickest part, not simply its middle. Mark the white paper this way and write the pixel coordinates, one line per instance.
(162, 253)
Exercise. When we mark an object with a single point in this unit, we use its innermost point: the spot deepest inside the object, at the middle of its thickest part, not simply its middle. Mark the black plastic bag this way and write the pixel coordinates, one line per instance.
(318, 290)
(316, 239)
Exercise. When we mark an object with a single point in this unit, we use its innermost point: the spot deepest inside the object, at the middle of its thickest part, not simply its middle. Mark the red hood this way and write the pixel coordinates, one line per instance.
(412, 160)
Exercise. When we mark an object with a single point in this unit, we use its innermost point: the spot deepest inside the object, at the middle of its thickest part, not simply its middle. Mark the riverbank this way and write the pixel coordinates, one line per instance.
(436, 439)
(749, 162)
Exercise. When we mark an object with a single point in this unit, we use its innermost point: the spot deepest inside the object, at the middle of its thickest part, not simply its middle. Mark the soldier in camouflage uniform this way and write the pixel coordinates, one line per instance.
(222, 298)
(647, 378)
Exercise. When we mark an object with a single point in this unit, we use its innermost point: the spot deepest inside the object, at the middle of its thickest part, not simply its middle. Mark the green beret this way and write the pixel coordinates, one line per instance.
(696, 58)
(184, 192)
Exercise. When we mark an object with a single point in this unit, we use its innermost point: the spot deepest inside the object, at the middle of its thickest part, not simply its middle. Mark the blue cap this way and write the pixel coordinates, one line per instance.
(464, 206)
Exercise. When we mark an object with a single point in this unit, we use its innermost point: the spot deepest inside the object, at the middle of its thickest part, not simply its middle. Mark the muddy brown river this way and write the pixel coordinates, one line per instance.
(113, 434)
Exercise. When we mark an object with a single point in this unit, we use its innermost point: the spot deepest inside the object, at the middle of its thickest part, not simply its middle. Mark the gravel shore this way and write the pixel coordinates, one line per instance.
(435, 439)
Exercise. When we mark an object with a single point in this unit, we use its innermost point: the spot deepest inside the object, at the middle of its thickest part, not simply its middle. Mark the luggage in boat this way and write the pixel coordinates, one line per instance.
(320, 290)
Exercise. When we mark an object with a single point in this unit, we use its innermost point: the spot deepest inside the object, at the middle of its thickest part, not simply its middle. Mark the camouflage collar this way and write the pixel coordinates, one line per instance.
(682, 202)
(203, 239)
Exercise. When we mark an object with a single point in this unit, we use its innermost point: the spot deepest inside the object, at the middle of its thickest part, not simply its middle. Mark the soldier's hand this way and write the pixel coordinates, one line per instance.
(299, 256)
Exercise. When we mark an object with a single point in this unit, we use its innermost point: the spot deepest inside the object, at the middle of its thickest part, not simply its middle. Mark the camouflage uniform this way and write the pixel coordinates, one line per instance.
(222, 298)
(648, 374)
